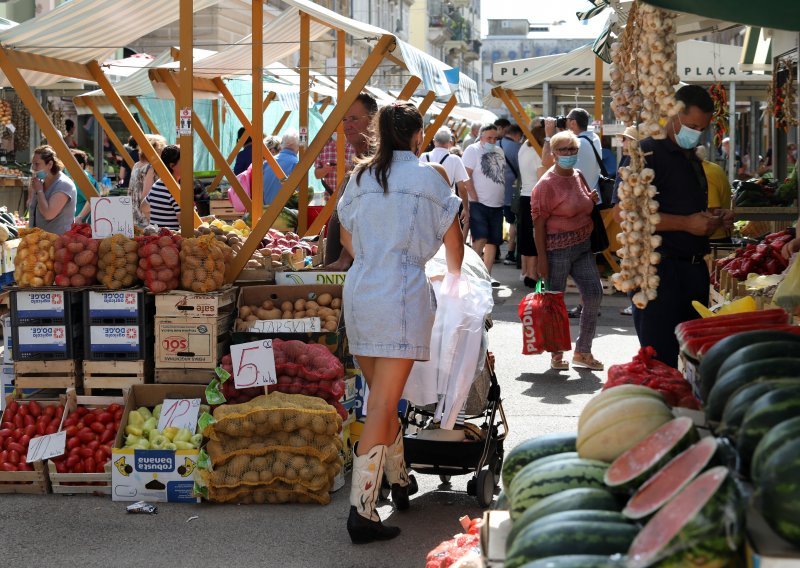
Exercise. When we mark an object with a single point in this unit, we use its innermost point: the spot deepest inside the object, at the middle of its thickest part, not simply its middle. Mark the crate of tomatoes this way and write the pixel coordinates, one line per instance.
(91, 424)
(22, 421)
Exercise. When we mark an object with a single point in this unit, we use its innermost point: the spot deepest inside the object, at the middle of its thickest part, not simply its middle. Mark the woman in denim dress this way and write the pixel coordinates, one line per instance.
(395, 214)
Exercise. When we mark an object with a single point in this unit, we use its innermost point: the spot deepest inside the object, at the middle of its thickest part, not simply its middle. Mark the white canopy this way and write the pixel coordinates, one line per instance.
(81, 31)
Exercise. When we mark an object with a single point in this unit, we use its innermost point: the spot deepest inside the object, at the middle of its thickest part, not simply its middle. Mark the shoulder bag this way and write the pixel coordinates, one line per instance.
(605, 185)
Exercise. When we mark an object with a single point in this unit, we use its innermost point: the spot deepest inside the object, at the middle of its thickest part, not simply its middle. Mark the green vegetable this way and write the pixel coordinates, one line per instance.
(196, 440)
(159, 441)
(145, 412)
(183, 445)
(135, 419)
(149, 425)
(183, 435)
(157, 411)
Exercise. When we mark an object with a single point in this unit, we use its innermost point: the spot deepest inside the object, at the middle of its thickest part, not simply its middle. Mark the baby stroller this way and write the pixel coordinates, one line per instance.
(479, 453)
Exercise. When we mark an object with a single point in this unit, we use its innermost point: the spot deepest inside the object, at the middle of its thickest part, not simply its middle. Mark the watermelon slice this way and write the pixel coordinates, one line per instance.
(670, 479)
(637, 464)
(702, 525)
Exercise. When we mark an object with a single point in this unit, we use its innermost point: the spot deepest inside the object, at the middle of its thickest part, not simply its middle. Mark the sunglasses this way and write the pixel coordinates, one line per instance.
(569, 151)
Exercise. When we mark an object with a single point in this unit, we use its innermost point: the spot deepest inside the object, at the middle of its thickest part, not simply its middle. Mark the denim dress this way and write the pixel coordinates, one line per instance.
(389, 304)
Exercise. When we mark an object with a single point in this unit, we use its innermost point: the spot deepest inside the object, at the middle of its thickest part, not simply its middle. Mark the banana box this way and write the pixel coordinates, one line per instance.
(159, 476)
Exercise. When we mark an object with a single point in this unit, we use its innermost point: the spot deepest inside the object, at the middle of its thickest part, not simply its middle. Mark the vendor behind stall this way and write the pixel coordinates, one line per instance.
(51, 196)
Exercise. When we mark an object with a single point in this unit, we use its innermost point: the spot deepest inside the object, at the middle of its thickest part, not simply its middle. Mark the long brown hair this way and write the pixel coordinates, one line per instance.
(396, 124)
(47, 154)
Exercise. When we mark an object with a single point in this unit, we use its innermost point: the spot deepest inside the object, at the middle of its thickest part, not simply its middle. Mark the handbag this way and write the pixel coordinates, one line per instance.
(599, 237)
(605, 184)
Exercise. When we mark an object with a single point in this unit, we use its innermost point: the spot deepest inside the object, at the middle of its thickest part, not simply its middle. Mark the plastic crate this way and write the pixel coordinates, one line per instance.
(118, 342)
(47, 342)
(6, 279)
(45, 306)
(118, 307)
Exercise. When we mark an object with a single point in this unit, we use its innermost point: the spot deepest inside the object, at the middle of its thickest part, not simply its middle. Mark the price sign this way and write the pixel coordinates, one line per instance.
(46, 447)
(253, 364)
(112, 216)
(179, 413)
(303, 325)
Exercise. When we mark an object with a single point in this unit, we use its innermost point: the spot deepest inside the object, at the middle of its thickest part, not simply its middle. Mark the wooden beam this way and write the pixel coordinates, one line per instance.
(397, 61)
(144, 116)
(284, 117)
(136, 131)
(438, 122)
(409, 88)
(257, 130)
(341, 150)
(426, 102)
(598, 93)
(109, 131)
(385, 44)
(48, 129)
(522, 121)
(325, 102)
(305, 84)
(184, 99)
(44, 64)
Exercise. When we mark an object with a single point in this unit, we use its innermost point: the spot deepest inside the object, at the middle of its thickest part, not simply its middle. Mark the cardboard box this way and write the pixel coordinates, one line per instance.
(8, 254)
(689, 368)
(182, 304)
(154, 475)
(494, 532)
(316, 277)
(191, 342)
(764, 548)
(8, 340)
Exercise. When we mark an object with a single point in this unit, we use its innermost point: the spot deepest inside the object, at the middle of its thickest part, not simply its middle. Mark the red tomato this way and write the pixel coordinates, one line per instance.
(105, 417)
(24, 467)
(107, 436)
(18, 434)
(93, 445)
(59, 412)
(4, 456)
(118, 416)
(5, 466)
(71, 431)
(97, 427)
(85, 452)
(49, 411)
(100, 456)
(9, 424)
(81, 411)
(25, 440)
(18, 447)
(71, 420)
(5, 432)
(80, 425)
(52, 429)
(71, 461)
(30, 430)
(101, 468)
(23, 410)
(28, 419)
(41, 428)
(61, 467)
(106, 449)
(78, 468)
(19, 421)
(116, 424)
(35, 409)
(73, 443)
(89, 418)
(13, 457)
(86, 435)
(89, 465)
(114, 408)
(13, 406)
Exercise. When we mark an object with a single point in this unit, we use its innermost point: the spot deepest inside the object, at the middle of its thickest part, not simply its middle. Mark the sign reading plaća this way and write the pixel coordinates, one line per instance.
(698, 62)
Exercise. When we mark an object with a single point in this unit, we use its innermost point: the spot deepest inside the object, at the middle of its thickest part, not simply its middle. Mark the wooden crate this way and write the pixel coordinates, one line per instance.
(32, 482)
(185, 376)
(115, 374)
(222, 209)
(48, 374)
(183, 304)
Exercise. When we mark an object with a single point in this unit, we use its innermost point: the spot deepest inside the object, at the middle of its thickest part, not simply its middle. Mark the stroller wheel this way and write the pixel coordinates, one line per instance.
(485, 488)
(444, 478)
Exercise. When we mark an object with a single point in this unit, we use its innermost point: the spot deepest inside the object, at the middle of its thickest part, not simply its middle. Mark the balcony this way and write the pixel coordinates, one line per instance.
(474, 51)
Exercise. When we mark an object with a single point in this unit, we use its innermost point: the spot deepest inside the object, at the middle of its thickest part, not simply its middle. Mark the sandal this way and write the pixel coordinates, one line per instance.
(557, 363)
(586, 361)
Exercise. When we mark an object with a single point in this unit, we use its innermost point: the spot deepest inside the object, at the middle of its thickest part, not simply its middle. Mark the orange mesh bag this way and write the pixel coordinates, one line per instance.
(203, 261)
(274, 493)
(34, 265)
(324, 446)
(76, 257)
(119, 259)
(159, 261)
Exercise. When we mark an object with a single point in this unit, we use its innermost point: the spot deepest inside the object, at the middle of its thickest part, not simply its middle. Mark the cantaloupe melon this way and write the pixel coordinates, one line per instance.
(606, 397)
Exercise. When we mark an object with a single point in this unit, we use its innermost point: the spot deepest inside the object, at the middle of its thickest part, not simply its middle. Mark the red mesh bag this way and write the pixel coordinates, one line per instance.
(76, 257)
(160, 261)
(545, 323)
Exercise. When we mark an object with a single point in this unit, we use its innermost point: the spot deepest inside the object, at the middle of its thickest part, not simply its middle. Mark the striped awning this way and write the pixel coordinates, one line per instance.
(79, 31)
(756, 51)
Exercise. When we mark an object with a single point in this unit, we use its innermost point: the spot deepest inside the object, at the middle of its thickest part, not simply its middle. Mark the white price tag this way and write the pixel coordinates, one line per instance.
(185, 128)
(179, 413)
(253, 364)
(46, 447)
(112, 216)
(303, 325)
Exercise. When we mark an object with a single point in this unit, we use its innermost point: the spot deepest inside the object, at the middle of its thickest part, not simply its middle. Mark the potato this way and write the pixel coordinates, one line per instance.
(287, 315)
(324, 312)
(263, 314)
(311, 313)
(336, 303)
(312, 305)
(287, 306)
(251, 317)
(337, 313)
(329, 326)
(244, 311)
(325, 299)
(267, 305)
(300, 304)
(300, 314)
(274, 314)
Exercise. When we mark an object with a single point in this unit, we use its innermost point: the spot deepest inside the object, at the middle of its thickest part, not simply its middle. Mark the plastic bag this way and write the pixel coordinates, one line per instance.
(203, 261)
(545, 323)
(159, 261)
(645, 370)
(245, 178)
(787, 294)
(34, 264)
(119, 259)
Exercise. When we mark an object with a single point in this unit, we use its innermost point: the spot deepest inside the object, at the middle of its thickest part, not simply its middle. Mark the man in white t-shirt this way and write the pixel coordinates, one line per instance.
(456, 172)
(578, 123)
(485, 164)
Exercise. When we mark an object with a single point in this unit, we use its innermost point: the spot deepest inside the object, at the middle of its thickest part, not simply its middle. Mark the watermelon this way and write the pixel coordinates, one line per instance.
(779, 493)
(635, 466)
(734, 379)
(700, 525)
(612, 394)
(670, 479)
(768, 410)
(569, 537)
(759, 352)
(501, 503)
(534, 483)
(778, 436)
(741, 400)
(533, 449)
(576, 515)
(714, 358)
(582, 498)
(573, 561)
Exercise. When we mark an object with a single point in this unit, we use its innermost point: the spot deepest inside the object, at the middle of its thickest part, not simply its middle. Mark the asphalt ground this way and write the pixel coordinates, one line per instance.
(56, 530)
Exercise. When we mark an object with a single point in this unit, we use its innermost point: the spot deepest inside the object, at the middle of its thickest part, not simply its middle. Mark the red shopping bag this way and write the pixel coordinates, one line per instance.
(545, 323)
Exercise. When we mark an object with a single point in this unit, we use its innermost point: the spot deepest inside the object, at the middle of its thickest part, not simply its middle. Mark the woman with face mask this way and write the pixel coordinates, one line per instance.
(52, 195)
(561, 207)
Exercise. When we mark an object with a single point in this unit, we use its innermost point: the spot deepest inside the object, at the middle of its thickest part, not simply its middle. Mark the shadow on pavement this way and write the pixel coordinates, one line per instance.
(553, 387)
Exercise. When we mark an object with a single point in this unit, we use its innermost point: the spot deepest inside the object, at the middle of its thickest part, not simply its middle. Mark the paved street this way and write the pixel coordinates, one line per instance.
(55, 530)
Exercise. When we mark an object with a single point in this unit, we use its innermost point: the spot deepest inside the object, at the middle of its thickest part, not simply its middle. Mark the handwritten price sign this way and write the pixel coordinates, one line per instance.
(303, 325)
(253, 364)
(179, 413)
(46, 447)
(112, 216)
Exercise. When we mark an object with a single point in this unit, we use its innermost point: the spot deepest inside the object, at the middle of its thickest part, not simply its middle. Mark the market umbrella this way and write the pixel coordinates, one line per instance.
(778, 14)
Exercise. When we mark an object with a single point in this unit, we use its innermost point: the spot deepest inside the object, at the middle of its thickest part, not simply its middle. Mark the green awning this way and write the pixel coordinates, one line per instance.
(778, 14)
(756, 51)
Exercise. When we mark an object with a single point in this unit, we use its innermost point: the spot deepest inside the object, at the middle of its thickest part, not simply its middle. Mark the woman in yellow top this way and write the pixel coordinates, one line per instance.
(719, 194)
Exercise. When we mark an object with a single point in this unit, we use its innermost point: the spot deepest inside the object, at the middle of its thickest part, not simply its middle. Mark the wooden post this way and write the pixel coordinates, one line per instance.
(409, 89)
(385, 44)
(48, 129)
(184, 100)
(305, 84)
(257, 130)
(215, 121)
(325, 102)
(281, 122)
(426, 102)
(438, 122)
(598, 93)
(109, 131)
(522, 121)
(341, 152)
(144, 116)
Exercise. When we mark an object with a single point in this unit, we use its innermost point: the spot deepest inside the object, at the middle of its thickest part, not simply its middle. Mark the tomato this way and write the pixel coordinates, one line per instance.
(41, 428)
(25, 440)
(98, 427)
(71, 431)
(89, 418)
(71, 420)
(28, 419)
(73, 443)
(89, 465)
(78, 468)
(106, 449)
(19, 421)
(15, 446)
(93, 445)
(35, 409)
(61, 467)
(85, 452)
(4, 456)
(13, 406)
(52, 429)
(101, 468)
(86, 435)
(105, 417)
(5, 466)
(5, 433)
(59, 412)
(24, 467)
(23, 410)
(49, 411)
(80, 425)
(111, 426)
(9, 424)
(114, 408)
(81, 411)
(107, 436)
(17, 434)
(13, 456)
(118, 416)
(30, 430)
(71, 461)
(116, 424)
(100, 456)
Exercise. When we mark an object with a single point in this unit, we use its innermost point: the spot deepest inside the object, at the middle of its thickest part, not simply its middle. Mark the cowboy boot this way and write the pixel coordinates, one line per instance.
(403, 485)
(364, 524)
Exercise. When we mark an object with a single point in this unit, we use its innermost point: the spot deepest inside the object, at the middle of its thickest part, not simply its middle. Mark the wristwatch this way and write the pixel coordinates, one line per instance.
(547, 139)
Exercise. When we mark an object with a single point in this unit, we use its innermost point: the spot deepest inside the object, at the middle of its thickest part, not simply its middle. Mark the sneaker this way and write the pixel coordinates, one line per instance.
(510, 259)
(627, 311)
(575, 312)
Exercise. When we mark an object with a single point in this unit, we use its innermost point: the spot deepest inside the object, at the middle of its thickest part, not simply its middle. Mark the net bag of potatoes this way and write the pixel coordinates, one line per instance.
(76, 257)
(34, 265)
(273, 494)
(160, 261)
(203, 261)
(119, 259)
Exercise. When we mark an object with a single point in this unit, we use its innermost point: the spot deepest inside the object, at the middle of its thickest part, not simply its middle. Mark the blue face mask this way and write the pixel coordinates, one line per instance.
(687, 138)
(41, 175)
(567, 162)
(489, 147)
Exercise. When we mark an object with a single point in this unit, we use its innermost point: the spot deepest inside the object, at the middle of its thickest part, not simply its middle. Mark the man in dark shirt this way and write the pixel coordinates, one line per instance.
(684, 227)
(245, 156)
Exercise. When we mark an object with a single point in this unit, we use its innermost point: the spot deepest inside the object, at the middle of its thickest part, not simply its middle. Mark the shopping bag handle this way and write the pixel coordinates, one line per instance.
(541, 286)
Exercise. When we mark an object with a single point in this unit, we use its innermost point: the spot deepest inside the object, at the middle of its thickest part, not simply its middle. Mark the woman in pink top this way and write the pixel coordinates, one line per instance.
(561, 206)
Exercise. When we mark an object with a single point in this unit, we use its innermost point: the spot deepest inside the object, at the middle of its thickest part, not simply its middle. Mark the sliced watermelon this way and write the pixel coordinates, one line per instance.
(670, 479)
(636, 465)
(702, 525)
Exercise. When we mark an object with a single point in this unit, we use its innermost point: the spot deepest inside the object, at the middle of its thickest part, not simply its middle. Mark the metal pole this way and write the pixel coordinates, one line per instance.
(732, 132)
(598, 93)
(755, 147)
(545, 99)
(183, 101)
